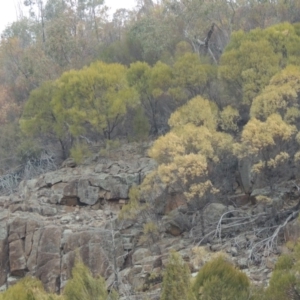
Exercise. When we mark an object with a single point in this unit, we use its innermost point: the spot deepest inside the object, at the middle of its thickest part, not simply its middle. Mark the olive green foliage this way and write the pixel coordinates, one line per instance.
(38, 115)
(97, 95)
(83, 286)
(141, 125)
(39, 118)
(190, 76)
(28, 288)
(280, 96)
(151, 35)
(220, 280)
(176, 280)
(251, 59)
(152, 84)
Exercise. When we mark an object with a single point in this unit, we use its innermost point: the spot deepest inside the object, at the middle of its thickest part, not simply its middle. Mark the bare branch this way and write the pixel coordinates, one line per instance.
(269, 244)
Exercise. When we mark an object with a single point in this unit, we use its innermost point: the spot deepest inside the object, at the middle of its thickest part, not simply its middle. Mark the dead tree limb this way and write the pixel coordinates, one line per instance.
(259, 233)
(209, 34)
(269, 244)
(198, 43)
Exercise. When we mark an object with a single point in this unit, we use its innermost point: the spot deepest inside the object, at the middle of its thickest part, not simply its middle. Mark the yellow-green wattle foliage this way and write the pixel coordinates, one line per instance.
(280, 96)
(152, 85)
(150, 82)
(258, 137)
(198, 111)
(220, 280)
(252, 59)
(267, 144)
(37, 115)
(98, 95)
(193, 145)
(190, 76)
(247, 69)
(229, 117)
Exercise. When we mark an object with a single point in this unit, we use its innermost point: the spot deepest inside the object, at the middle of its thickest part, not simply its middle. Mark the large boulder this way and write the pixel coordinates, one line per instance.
(213, 212)
(87, 194)
(176, 223)
(32, 246)
(48, 259)
(96, 248)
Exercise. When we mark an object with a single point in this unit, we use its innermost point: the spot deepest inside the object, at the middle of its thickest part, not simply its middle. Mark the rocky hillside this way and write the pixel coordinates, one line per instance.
(73, 211)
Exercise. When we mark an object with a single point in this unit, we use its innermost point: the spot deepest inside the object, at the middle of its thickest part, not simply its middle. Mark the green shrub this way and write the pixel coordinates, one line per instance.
(28, 288)
(283, 283)
(220, 280)
(282, 286)
(82, 285)
(284, 262)
(176, 281)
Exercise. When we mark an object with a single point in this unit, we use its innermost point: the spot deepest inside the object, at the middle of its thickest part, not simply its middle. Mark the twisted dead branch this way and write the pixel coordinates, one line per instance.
(269, 244)
(259, 233)
(9, 182)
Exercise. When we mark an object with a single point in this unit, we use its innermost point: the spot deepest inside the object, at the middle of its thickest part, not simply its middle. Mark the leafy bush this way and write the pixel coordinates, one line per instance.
(284, 282)
(28, 288)
(176, 281)
(82, 285)
(285, 262)
(220, 280)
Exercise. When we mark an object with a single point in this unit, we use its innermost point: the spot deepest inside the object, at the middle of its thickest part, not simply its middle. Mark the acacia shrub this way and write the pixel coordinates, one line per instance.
(252, 58)
(195, 158)
(266, 144)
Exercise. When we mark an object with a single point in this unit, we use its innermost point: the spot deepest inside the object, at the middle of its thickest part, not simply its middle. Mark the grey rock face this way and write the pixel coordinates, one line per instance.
(57, 216)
